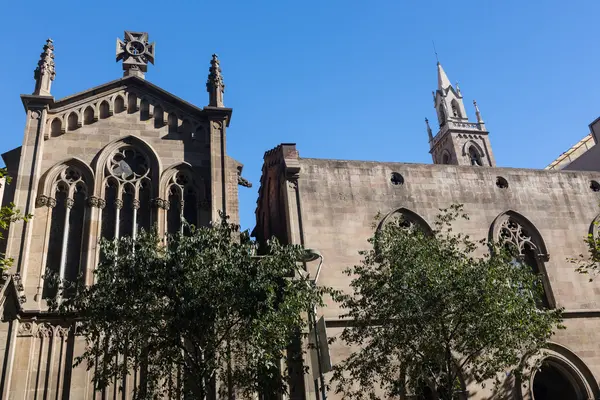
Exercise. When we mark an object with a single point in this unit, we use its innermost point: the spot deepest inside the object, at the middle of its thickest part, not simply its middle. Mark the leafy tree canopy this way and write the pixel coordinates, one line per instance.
(429, 313)
(191, 312)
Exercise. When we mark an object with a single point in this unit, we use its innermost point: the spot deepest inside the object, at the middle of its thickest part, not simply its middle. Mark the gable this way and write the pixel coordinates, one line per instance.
(132, 95)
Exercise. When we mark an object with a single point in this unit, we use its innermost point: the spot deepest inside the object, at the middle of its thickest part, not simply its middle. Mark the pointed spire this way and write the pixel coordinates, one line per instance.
(477, 112)
(214, 85)
(443, 81)
(44, 73)
(429, 133)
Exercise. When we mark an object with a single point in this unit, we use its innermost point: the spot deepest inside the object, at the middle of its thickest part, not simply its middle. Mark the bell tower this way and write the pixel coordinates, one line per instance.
(458, 141)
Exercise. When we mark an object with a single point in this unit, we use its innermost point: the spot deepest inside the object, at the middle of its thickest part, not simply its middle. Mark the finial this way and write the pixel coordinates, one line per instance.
(435, 52)
(136, 52)
(214, 84)
(458, 90)
(477, 112)
(429, 133)
(44, 73)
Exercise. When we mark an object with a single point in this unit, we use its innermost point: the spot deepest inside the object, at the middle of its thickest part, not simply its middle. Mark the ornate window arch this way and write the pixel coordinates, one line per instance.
(562, 373)
(185, 195)
(128, 170)
(474, 153)
(65, 190)
(406, 218)
(513, 229)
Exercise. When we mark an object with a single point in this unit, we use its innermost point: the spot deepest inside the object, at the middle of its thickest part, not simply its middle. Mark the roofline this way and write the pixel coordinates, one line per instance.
(134, 80)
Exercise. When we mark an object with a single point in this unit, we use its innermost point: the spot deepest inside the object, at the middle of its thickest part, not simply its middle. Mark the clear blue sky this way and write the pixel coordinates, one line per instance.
(342, 79)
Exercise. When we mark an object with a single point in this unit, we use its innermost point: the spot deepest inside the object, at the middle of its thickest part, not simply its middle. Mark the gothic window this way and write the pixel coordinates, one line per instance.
(55, 127)
(88, 116)
(475, 157)
(73, 121)
(67, 228)
(456, 109)
(184, 197)
(528, 248)
(446, 158)
(442, 116)
(104, 110)
(127, 192)
(119, 104)
(406, 219)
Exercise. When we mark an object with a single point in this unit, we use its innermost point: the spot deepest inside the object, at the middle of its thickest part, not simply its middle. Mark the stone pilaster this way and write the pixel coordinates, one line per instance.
(27, 179)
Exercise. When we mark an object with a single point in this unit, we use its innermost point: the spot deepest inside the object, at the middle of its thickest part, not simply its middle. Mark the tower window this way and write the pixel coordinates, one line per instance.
(446, 158)
(456, 109)
(475, 157)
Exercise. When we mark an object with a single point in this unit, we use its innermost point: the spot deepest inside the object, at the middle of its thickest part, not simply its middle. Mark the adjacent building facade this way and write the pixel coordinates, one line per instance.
(105, 162)
(330, 205)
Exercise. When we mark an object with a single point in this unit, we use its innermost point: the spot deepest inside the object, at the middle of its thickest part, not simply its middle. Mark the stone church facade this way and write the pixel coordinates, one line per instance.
(119, 157)
(105, 162)
(330, 205)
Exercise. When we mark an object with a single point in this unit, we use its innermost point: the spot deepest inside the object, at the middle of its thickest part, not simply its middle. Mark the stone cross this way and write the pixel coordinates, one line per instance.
(136, 52)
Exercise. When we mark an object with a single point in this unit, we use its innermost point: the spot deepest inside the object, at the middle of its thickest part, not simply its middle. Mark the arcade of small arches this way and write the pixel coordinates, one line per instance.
(127, 192)
(125, 101)
(562, 375)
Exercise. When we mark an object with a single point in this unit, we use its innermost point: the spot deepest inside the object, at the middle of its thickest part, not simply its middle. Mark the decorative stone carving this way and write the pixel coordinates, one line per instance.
(136, 204)
(41, 201)
(136, 53)
(161, 203)
(214, 84)
(44, 73)
(217, 125)
(44, 330)
(51, 202)
(97, 202)
(514, 233)
(118, 204)
(70, 203)
(35, 115)
(26, 329)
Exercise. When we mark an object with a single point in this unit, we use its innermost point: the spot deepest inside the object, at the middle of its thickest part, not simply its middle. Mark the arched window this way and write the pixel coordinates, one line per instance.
(442, 114)
(407, 219)
(56, 127)
(104, 110)
(184, 195)
(475, 157)
(521, 236)
(456, 109)
(119, 104)
(127, 192)
(67, 226)
(73, 121)
(88, 116)
(446, 158)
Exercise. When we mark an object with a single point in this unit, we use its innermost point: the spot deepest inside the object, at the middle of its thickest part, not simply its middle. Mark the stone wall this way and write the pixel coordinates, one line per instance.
(339, 200)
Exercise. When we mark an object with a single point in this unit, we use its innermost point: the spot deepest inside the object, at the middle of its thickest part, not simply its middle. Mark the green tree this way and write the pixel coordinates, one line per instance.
(429, 313)
(194, 308)
(8, 215)
(588, 263)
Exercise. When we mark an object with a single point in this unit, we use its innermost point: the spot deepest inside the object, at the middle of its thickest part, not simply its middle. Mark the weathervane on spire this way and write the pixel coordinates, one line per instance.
(136, 52)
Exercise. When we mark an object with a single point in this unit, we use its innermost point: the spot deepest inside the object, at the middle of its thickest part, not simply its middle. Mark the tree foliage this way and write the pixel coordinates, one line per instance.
(589, 263)
(191, 311)
(428, 313)
(8, 215)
